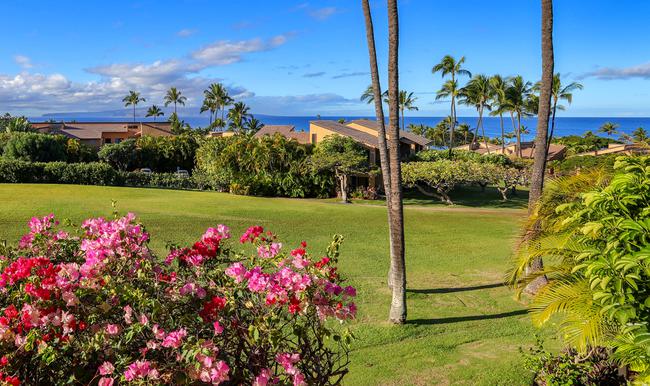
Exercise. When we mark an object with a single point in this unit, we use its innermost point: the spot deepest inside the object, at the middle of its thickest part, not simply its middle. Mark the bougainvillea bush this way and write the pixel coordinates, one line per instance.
(96, 306)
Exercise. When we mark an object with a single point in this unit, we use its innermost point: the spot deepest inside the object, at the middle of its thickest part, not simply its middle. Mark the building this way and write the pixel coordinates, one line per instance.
(555, 151)
(364, 131)
(96, 134)
(620, 149)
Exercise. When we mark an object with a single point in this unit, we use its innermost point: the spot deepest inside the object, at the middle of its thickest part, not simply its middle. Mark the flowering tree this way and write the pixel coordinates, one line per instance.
(97, 306)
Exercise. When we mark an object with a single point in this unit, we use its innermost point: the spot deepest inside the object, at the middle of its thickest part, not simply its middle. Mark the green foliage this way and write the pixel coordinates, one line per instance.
(36, 147)
(341, 154)
(121, 156)
(582, 164)
(596, 251)
(463, 155)
(568, 368)
(92, 173)
(79, 152)
(11, 124)
(584, 143)
(269, 166)
(161, 154)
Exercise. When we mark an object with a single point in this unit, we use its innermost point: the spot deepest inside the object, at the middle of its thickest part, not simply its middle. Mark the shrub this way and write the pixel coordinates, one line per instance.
(462, 155)
(36, 147)
(166, 154)
(269, 166)
(596, 249)
(79, 152)
(581, 164)
(121, 156)
(92, 173)
(159, 180)
(97, 305)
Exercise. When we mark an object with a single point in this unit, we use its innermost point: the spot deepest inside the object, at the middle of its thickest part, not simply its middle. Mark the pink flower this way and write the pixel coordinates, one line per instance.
(128, 314)
(140, 370)
(236, 271)
(193, 289)
(268, 251)
(106, 368)
(287, 361)
(112, 329)
(251, 234)
(158, 332)
(218, 329)
(105, 381)
(263, 378)
(299, 379)
(143, 319)
(350, 291)
(175, 338)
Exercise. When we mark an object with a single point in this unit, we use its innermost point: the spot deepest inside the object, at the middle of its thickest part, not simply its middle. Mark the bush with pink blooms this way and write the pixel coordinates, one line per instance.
(96, 306)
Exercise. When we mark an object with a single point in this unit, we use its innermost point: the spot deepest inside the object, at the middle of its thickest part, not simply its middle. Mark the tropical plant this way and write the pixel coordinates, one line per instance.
(211, 106)
(344, 156)
(155, 111)
(94, 304)
(640, 135)
(559, 93)
(36, 147)
(595, 245)
(499, 103)
(518, 95)
(609, 128)
(406, 102)
(368, 95)
(16, 125)
(174, 97)
(253, 125)
(454, 68)
(477, 93)
(238, 115)
(132, 100)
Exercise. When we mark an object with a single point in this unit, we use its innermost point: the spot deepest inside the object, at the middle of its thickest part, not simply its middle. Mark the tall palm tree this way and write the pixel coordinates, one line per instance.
(450, 66)
(176, 97)
(499, 104)
(541, 136)
(368, 95)
(132, 100)
(518, 95)
(211, 106)
(154, 111)
(397, 312)
(238, 115)
(609, 128)
(477, 93)
(384, 155)
(465, 130)
(406, 102)
(217, 95)
(559, 92)
(640, 135)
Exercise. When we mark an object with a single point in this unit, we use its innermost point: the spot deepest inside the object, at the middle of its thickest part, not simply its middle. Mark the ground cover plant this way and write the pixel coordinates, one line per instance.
(464, 326)
(97, 304)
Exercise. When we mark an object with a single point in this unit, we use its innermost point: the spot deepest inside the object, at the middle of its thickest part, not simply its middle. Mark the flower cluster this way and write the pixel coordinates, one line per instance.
(96, 304)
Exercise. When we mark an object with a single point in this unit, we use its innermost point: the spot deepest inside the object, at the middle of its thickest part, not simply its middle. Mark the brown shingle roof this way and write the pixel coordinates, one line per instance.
(420, 140)
(94, 130)
(285, 130)
(360, 136)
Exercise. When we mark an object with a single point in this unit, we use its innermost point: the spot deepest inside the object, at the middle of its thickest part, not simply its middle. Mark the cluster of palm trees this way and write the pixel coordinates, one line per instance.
(638, 136)
(215, 101)
(499, 96)
(173, 96)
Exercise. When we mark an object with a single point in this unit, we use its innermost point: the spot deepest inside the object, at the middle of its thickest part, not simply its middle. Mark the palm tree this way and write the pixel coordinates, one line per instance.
(385, 158)
(253, 125)
(368, 96)
(132, 100)
(465, 130)
(518, 95)
(217, 96)
(155, 111)
(174, 96)
(541, 136)
(211, 106)
(609, 128)
(499, 103)
(406, 102)
(449, 66)
(559, 92)
(640, 135)
(477, 93)
(238, 115)
(397, 313)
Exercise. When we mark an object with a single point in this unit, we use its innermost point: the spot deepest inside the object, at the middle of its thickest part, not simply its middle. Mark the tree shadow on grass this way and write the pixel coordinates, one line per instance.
(458, 319)
(451, 290)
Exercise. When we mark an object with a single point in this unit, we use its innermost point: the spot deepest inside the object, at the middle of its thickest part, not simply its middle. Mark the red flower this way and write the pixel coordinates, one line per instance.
(4, 361)
(211, 308)
(294, 305)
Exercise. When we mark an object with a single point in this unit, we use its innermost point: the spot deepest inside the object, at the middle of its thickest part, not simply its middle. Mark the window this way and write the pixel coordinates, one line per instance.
(107, 140)
(118, 140)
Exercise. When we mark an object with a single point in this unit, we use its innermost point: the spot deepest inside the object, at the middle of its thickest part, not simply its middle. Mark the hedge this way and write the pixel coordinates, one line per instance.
(92, 173)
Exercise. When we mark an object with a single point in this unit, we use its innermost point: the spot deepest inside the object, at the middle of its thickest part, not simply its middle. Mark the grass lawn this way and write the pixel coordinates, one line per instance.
(464, 327)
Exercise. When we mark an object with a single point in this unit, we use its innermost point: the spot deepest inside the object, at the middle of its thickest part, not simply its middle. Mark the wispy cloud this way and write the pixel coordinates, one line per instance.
(314, 74)
(349, 74)
(23, 61)
(186, 33)
(611, 73)
(225, 52)
(323, 13)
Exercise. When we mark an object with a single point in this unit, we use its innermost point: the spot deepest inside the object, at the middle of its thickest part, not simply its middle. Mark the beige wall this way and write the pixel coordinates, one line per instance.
(317, 133)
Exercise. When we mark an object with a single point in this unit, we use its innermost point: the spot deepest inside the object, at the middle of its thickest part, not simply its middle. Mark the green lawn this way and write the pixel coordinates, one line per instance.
(464, 327)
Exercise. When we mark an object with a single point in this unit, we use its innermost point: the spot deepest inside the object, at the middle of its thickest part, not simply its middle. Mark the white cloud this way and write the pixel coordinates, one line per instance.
(309, 104)
(23, 61)
(610, 73)
(227, 52)
(185, 33)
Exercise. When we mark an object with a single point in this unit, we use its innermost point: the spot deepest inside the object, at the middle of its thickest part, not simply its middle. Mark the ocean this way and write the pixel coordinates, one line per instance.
(563, 125)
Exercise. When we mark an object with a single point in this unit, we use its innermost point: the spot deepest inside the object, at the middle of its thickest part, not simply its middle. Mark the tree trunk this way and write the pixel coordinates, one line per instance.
(550, 135)
(480, 119)
(381, 123)
(134, 112)
(541, 137)
(343, 180)
(519, 135)
(452, 124)
(397, 313)
(503, 136)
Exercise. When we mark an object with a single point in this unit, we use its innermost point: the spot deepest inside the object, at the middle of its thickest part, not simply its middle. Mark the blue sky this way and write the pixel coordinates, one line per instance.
(307, 58)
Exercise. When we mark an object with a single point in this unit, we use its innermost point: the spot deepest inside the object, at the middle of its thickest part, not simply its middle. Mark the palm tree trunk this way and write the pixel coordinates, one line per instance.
(134, 112)
(397, 313)
(480, 119)
(402, 110)
(519, 135)
(384, 163)
(550, 135)
(503, 136)
(453, 121)
(541, 137)
(175, 110)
